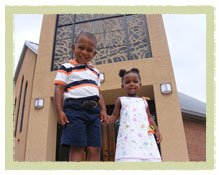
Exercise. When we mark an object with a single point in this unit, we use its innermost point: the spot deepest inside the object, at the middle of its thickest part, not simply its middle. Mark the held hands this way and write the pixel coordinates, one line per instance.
(103, 117)
(107, 119)
(62, 119)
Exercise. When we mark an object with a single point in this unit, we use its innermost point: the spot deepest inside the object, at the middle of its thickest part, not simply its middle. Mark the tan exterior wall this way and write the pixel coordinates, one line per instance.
(26, 71)
(196, 139)
(41, 142)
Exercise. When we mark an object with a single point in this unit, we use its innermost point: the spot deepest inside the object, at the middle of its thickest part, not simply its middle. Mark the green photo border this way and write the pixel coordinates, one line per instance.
(209, 164)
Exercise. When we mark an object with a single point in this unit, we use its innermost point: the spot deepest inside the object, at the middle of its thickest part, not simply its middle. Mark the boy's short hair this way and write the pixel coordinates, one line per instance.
(87, 34)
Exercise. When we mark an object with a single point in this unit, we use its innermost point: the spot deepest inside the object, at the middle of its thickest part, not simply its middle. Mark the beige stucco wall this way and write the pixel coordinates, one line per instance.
(41, 144)
(154, 71)
(26, 71)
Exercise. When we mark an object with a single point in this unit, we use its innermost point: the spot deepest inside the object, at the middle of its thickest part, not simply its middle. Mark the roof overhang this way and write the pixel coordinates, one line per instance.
(33, 47)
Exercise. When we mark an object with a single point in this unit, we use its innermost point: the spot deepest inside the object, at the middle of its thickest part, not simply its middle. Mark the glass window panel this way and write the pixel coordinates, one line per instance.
(139, 50)
(116, 54)
(137, 34)
(93, 27)
(63, 47)
(64, 32)
(101, 40)
(84, 17)
(97, 16)
(86, 27)
(135, 21)
(113, 24)
(60, 60)
(87, 17)
(101, 57)
(111, 39)
(110, 55)
(97, 27)
(65, 19)
(62, 52)
(116, 38)
(112, 35)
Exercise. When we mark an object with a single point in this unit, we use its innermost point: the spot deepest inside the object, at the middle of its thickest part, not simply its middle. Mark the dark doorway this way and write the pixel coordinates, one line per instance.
(109, 136)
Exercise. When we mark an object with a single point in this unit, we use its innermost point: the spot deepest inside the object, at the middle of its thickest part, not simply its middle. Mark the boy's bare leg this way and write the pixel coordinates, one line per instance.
(76, 153)
(93, 153)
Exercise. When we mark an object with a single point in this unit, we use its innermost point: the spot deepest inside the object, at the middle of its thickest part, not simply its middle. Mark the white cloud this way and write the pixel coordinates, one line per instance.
(26, 27)
(186, 35)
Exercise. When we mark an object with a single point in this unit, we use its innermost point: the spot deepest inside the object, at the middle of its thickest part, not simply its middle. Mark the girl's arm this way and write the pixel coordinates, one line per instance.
(116, 112)
(156, 129)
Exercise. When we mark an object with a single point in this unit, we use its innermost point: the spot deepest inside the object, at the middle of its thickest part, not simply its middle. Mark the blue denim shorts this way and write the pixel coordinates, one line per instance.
(84, 127)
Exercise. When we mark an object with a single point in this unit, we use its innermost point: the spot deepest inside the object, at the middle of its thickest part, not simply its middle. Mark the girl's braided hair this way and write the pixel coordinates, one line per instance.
(123, 72)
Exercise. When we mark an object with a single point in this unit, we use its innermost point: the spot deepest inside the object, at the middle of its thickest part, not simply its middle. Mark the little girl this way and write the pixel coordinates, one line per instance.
(135, 142)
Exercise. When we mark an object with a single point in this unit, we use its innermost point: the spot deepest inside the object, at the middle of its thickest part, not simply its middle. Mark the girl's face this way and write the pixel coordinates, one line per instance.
(131, 84)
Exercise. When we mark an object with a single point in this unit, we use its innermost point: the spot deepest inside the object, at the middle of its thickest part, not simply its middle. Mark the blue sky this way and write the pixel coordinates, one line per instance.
(186, 35)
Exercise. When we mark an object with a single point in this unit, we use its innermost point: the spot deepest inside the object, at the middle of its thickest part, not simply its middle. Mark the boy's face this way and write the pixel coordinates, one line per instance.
(84, 49)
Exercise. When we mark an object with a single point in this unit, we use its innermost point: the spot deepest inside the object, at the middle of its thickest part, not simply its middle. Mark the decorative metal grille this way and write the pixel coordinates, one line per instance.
(119, 37)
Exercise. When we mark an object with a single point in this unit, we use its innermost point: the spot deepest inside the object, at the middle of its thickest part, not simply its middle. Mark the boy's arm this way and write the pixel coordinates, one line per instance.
(103, 113)
(58, 96)
(116, 112)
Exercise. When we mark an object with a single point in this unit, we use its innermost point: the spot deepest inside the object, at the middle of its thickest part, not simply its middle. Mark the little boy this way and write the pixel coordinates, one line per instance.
(77, 83)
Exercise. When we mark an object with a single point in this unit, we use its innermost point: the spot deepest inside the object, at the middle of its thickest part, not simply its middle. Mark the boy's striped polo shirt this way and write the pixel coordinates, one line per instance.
(80, 80)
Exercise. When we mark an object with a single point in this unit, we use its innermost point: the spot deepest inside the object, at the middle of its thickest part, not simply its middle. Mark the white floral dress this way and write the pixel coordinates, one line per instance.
(134, 143)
